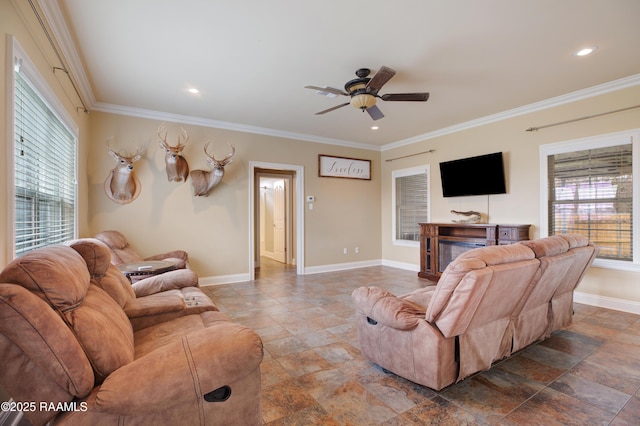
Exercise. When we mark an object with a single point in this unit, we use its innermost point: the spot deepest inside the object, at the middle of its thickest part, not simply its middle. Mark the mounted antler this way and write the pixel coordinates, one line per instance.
(122, 185)
(204, 181)
(175, 164)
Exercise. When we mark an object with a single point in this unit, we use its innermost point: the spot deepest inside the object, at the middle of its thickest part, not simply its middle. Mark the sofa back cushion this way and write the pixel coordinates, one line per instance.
(481, 286)
(555, 261)
(121, 251)
(41, 358)
(585, 253)
(104, 274)
(59, 275)
(53, 274)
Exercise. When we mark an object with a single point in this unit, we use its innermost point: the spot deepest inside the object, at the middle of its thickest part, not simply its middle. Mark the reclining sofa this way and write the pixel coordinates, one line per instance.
(489, 303)
(81, 347)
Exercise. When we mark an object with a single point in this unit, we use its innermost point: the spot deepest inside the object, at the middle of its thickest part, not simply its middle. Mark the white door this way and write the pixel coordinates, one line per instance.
(279, 221)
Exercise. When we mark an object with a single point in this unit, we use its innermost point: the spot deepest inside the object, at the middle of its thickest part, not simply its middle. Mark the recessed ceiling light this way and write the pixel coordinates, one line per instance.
(374, 127)
(586, 51)
(193, 90)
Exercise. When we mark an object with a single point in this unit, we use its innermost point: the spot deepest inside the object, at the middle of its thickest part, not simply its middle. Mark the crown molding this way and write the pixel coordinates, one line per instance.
(217, 124)
(601, 89)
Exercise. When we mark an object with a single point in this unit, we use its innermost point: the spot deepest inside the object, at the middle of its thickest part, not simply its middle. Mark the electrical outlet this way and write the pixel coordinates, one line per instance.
(357, 250)
(344, 250)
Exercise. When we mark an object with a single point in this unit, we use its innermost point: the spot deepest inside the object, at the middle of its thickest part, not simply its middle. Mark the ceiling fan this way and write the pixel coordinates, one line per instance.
(364, 91)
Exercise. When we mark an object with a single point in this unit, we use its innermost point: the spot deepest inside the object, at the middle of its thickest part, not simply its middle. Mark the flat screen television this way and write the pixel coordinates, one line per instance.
(481, 175)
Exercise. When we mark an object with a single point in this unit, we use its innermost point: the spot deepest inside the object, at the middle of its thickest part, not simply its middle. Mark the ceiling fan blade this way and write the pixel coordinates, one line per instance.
(375, 113)
(416, 97)
(332, 108)
(382, 76)
(327, 89)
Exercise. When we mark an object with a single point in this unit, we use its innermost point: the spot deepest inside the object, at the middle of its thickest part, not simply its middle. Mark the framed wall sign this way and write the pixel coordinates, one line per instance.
(341, 167)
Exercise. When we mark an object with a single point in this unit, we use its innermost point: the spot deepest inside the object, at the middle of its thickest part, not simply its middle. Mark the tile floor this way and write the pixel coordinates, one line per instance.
(313, 372)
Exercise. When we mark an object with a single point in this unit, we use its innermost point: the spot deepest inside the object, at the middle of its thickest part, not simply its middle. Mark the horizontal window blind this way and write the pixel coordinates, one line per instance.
(412, 205)
(45, 181)
(591, 193)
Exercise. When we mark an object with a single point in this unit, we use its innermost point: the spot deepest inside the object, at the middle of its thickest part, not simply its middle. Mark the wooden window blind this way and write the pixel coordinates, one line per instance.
(412, 205)
(45, 164)
(590, 193)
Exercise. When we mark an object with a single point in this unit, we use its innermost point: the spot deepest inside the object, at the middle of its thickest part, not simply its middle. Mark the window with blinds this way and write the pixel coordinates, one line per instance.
(44, 168)
(591, 193)
(411, 198)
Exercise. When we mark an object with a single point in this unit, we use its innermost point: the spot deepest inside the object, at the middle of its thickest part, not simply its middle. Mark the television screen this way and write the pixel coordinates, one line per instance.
(481, 175)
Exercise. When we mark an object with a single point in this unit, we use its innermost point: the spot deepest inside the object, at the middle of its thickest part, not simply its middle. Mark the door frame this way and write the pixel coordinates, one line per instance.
(299, 210)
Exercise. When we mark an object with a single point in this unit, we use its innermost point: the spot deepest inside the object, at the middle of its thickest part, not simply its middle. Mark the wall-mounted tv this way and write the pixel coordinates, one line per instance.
(481, 175)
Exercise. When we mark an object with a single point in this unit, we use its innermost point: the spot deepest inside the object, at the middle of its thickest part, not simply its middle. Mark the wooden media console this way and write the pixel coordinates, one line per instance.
(440, 243)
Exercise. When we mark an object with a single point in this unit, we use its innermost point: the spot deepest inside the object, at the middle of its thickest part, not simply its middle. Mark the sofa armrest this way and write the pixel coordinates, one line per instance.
(189, 367)
(171, 280)
(387, 309)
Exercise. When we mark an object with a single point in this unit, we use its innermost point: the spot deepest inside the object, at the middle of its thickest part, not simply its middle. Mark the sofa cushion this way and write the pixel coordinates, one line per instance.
(121, 250)
(113, 239)
(39, 271)
(104, 274)
(463, 285)
(95, 253)
(103, 330)
(546, 247)
(576, 240)
(59, 275)
(387, 309)
(43, 340)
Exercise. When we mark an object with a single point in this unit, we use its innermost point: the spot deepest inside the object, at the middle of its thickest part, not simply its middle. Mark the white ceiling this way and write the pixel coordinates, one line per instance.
(251, 59)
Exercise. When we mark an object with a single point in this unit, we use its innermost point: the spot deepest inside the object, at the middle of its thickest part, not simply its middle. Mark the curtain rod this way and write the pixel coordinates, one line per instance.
(411, 155)
(531, 129)
(63, 68)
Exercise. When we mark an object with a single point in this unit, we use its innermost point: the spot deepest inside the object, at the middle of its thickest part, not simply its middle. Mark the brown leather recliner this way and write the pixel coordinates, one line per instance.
(122, 252)
(67, 344)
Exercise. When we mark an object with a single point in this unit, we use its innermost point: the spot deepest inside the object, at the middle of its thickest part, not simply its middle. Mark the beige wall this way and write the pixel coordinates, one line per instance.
(215, 229)
(21, 23)
(521, 204)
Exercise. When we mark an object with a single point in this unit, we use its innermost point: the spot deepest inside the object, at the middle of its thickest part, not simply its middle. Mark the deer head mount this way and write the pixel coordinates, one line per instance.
(203, 181)
(175, 164)
(122, 185)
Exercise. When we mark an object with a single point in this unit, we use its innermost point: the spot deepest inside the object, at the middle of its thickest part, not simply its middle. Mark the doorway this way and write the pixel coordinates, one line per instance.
(275, 228)
(277, 215)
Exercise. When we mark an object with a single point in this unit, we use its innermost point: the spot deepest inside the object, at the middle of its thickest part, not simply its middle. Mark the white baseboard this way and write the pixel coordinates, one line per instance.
(607, 302)
(237, 278)
(223, 279)
(401, 265)
(341, 266)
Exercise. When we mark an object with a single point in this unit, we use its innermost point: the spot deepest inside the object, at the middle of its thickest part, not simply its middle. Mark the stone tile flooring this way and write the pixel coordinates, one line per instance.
(313, 372)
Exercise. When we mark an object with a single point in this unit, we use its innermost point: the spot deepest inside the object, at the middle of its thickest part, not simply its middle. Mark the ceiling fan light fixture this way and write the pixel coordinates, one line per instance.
(363, 101)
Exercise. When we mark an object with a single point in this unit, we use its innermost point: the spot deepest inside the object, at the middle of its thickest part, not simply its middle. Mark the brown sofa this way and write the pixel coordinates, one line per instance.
(148, 301)
(488, 303)
(66, 342)
(122, 252)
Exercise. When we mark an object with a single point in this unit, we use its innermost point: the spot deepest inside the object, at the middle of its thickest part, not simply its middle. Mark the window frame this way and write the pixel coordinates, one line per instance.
(600, 141)
(17, 58)
(411, 171)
